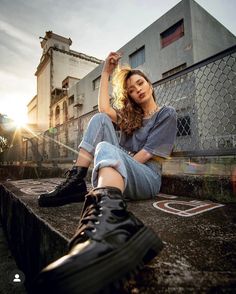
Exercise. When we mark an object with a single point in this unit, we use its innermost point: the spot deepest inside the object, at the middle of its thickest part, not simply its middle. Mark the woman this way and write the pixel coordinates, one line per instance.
(110, 241)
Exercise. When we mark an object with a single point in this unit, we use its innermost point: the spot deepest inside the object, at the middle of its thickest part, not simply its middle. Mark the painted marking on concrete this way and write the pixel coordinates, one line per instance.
(198, 207)
(34, 187)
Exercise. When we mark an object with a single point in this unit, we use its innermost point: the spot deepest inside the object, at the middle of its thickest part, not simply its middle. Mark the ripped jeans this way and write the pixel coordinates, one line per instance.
(142, 181)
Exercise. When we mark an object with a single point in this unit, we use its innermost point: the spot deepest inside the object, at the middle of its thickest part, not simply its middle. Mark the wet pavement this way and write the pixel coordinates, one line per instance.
(199, 255)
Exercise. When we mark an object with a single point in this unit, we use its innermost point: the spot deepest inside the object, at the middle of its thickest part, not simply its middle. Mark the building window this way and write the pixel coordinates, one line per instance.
(96, 83)
(172, 34)
(137, 58)
(71, 100)
(174, 70)
(57, 116)
(183, 126)
(65, 111)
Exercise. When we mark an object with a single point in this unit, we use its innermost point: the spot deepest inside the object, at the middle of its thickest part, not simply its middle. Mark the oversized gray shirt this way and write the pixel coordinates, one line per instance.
(157, 135)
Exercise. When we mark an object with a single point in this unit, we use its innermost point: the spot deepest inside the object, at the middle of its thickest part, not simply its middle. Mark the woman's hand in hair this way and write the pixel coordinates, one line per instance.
(111, 62)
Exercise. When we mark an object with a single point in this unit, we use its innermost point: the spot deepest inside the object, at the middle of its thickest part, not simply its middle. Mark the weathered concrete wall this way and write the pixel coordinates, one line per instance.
(217, 188)
(43, 97)
(8, 269)
(14, 172)
(32, 242)
(209, 35)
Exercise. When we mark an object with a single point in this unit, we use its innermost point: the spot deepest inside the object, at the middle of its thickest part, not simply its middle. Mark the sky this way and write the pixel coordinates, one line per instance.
(96, 27)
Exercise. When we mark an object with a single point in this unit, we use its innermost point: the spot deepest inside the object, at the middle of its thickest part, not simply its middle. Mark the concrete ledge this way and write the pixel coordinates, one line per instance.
(213, 187)
(32, 241)
(216, 188)
(17, 172)
(199, 254)
(8, 269)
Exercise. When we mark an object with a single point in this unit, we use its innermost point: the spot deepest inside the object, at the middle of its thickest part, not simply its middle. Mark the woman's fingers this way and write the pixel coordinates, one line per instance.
(114, 57)
(111, 61)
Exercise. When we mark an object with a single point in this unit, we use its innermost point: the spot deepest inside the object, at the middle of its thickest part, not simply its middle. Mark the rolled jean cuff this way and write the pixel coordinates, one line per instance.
(89, 148)
(108, 163)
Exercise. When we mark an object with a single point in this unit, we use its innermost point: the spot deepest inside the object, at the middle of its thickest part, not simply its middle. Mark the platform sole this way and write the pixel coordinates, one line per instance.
(105, 272)
(60, 201)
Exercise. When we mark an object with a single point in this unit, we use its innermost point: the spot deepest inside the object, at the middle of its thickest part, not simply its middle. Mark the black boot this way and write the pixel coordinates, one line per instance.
(73, 189)
(110, 243)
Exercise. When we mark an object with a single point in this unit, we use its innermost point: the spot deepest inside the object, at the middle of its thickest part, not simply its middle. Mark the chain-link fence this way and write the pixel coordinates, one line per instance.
(204, 96)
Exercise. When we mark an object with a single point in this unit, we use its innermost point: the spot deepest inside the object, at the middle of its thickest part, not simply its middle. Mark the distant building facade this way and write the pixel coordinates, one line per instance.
(59, 68)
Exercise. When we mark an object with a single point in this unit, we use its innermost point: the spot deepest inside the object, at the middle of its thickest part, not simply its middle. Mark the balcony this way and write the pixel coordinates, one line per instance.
(57, 94)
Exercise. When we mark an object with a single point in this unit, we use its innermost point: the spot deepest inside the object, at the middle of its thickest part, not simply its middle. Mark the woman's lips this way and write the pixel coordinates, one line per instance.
(142, 95)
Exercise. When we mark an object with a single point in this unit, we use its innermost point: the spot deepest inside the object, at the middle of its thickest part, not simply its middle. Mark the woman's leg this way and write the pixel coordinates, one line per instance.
(110, 241)
(114, 167)
(100, 128)
(84, 158)
(110, 177)
(104, 132)
(73, 189)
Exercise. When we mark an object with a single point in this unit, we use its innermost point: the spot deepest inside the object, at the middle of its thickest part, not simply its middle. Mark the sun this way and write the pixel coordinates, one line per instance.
(20, 119)
(16, 113)
(20, 122)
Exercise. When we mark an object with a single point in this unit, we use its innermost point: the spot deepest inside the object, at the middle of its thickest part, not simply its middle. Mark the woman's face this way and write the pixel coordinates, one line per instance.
(139, 89)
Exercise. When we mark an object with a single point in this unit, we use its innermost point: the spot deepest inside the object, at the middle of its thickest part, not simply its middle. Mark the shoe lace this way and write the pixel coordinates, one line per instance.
(69, 178)
(88, 219)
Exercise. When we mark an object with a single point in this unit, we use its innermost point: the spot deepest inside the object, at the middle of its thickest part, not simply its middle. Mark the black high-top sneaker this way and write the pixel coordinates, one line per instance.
(73, 189)
(110, 244)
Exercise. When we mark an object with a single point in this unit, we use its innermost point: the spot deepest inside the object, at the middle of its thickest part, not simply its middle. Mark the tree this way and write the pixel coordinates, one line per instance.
(6, 132)
(3, 144)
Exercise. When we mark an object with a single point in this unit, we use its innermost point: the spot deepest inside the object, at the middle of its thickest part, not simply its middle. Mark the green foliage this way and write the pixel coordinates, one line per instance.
(4, 144)
(6, 132)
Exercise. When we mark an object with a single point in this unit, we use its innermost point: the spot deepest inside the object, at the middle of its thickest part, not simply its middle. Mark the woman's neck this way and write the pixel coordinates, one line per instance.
(150, 108)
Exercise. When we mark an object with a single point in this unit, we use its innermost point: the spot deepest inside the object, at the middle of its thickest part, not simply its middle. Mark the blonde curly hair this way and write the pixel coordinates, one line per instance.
(129, 113)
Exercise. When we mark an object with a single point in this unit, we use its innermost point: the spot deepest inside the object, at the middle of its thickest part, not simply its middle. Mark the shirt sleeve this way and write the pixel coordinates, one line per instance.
(161, 138)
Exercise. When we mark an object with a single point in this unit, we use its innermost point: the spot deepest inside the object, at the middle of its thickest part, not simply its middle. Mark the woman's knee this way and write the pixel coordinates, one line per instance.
(104, 146)
(100, 118)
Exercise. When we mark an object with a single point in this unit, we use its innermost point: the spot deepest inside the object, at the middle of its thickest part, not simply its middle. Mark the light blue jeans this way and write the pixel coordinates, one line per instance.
(142, 181)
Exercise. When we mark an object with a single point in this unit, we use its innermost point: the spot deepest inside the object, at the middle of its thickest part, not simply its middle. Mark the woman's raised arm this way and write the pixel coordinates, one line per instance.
(110, 64)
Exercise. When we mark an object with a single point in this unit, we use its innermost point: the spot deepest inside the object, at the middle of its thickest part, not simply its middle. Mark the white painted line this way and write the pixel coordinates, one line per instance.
(197, 207)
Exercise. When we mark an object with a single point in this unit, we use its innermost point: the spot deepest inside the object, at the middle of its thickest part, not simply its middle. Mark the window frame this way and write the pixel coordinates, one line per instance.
(133, 57)
(71, 100)
(172, 34)
(96, 83)
(185, 131)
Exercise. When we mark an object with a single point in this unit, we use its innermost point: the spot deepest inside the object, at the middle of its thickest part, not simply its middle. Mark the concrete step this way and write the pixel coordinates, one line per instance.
(201, 186)
(199, 237)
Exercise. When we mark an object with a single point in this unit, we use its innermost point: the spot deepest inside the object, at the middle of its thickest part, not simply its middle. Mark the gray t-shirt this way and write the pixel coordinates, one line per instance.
(157, 135)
